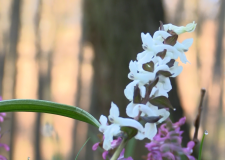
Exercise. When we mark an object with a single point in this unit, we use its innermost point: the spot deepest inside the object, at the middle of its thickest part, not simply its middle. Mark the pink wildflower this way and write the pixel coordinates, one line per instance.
(167, 143)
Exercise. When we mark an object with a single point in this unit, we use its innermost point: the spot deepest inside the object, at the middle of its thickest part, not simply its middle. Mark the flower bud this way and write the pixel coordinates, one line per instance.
(179, 30)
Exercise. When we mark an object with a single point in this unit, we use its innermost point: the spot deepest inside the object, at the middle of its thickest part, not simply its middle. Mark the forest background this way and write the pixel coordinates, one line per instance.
(77, 52)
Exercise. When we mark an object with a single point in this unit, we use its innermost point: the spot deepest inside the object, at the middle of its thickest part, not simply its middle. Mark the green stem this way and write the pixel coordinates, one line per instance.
(200, 151)
(119, 150)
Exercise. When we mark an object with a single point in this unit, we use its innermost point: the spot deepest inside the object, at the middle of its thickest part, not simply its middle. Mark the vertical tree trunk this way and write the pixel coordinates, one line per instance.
(10, 62)
(218, 78)
(114, 27)
(40, 86)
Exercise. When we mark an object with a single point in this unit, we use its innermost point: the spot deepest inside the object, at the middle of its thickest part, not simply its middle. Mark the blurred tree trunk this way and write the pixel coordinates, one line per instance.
(44, 61)
(37, 141)
(114, 27)
(218, 78)
(10, 63)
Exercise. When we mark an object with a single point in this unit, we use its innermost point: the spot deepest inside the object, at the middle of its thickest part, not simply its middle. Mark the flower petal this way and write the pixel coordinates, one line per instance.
(140, 136)
(187, 43)
(147, 110)
(95, 146)
(150, 130)
(114, 110)
(129, 123)
(129, 90)
(132, 110)
(161, 35)
(167, 84)
(147, 40)
(164, 113)
(143, 91)
(183, 58)
(111, 131)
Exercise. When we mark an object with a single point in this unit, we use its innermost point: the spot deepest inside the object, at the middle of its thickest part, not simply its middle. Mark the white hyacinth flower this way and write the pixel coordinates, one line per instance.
(111, 130)
(148, 44)
(143, 77)
(148, 110)
(151, 110)
(115, 119)
(114, 129)
(156, 61)
(129, 90)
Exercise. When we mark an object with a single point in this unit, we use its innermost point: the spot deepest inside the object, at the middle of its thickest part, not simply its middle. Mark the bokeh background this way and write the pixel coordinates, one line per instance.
(77, 52)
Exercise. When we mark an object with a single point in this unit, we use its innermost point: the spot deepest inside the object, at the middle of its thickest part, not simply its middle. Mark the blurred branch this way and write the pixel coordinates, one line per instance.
(198, 118)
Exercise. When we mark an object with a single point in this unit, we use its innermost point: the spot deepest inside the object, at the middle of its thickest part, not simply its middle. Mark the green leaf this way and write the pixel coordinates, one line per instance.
(161, 102)
(29, 105)
(82, 147)
(184, 157)
(131, 132)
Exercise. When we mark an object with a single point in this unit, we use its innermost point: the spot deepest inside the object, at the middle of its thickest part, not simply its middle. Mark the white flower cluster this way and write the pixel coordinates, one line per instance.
(150, 86)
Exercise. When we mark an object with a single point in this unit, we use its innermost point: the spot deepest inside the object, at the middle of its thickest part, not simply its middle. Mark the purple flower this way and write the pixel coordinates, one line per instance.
(121, 157)
(114, 144)
(2, 115)
(2, 158)
(167, 143)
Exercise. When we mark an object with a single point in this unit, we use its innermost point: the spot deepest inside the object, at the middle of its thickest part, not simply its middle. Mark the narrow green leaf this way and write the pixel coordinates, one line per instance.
(29, 105)
(82, 147)
(161, 102)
